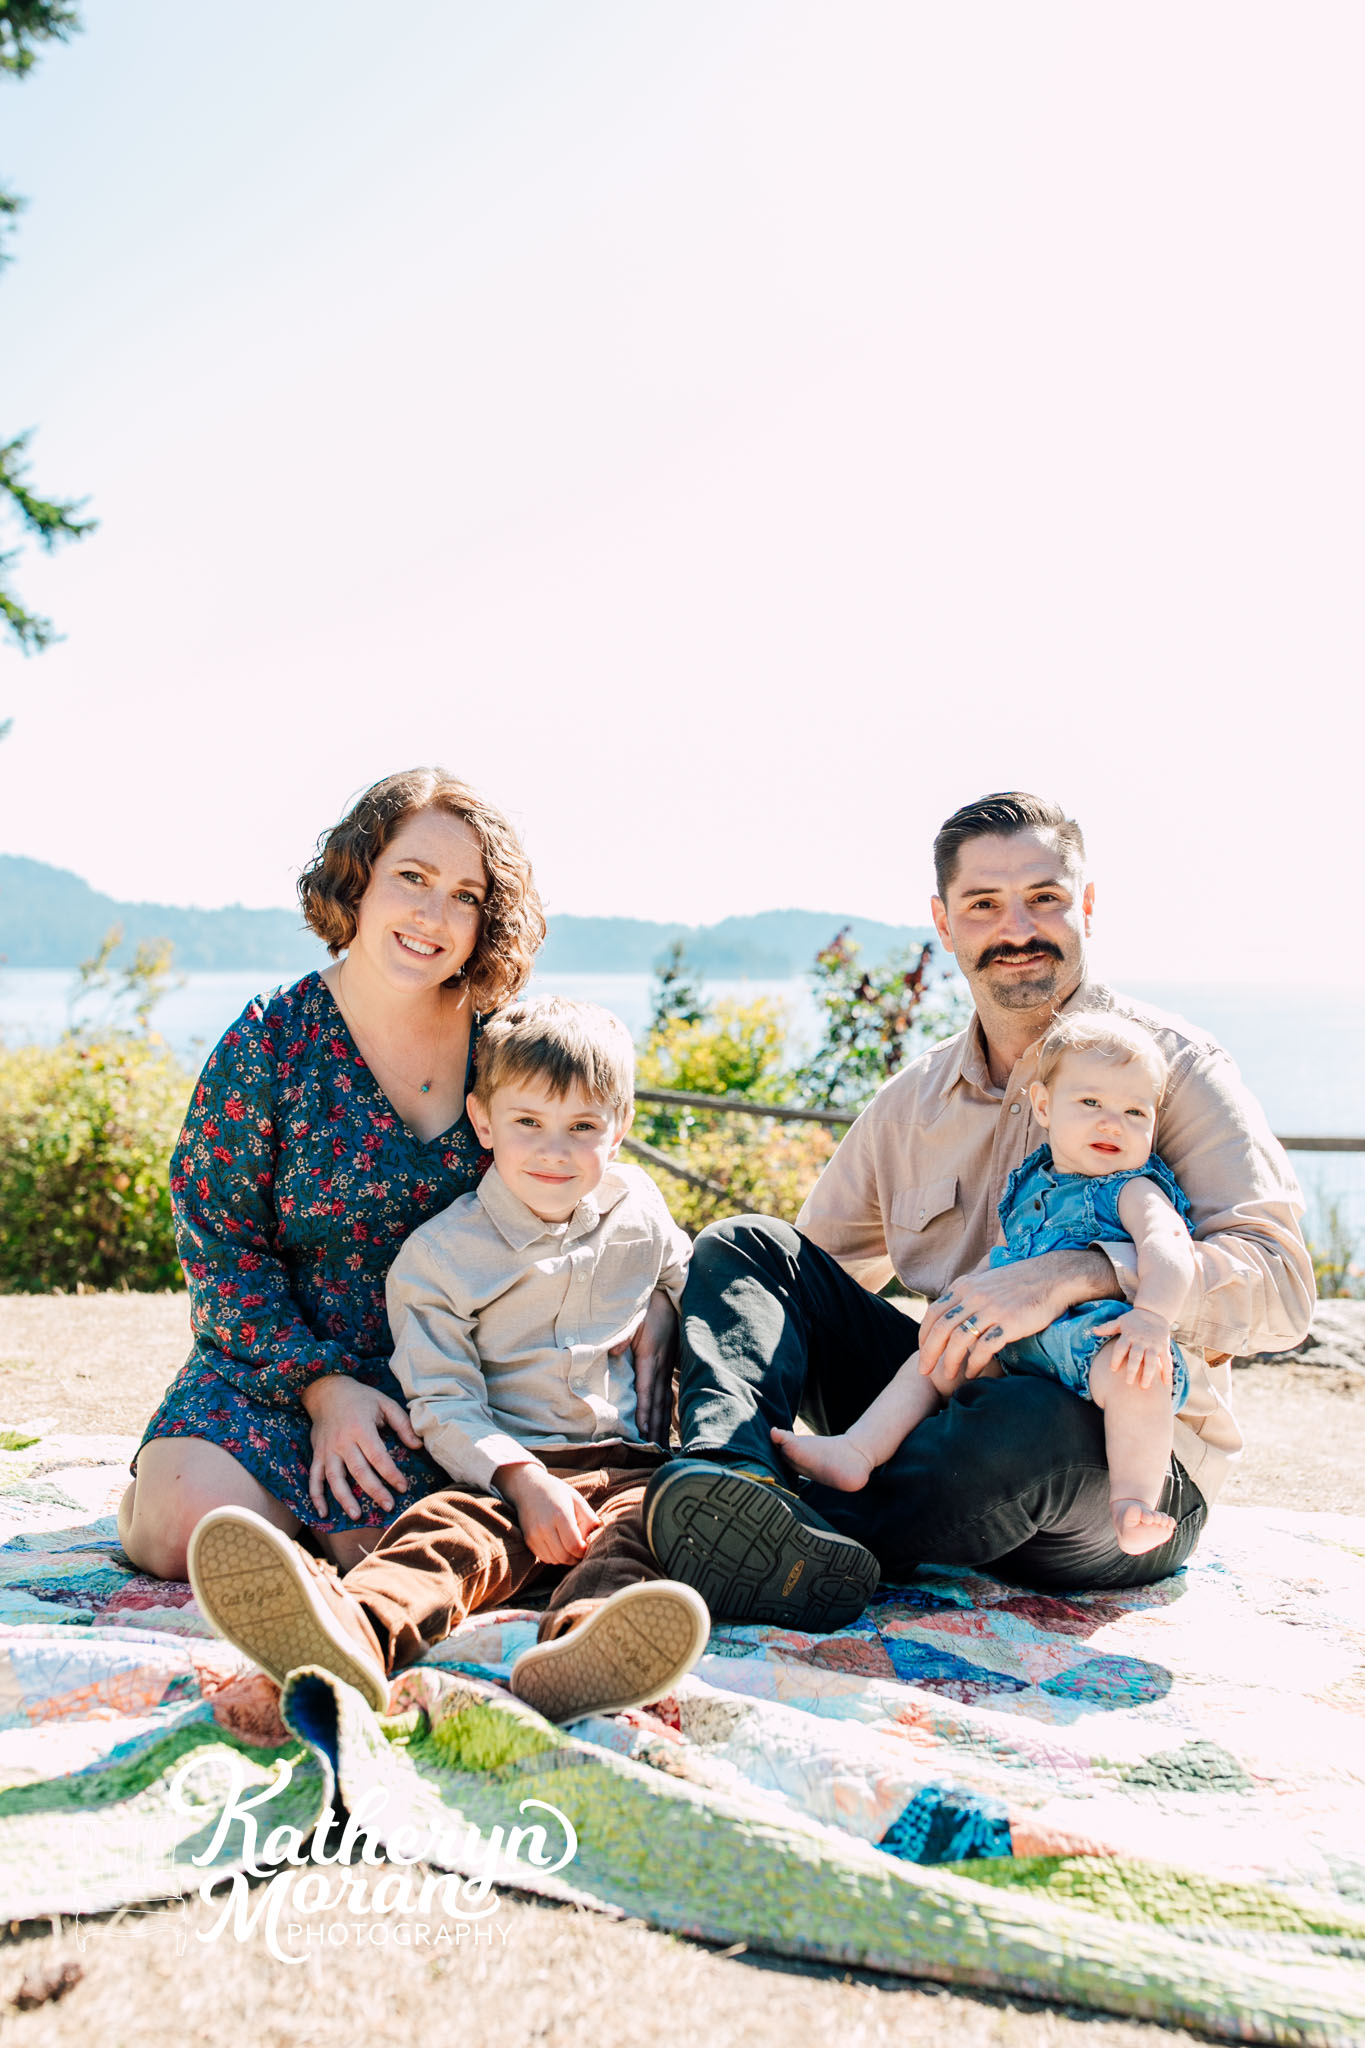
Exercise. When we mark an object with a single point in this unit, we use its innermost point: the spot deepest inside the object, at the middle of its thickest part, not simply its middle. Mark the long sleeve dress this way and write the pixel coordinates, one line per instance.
(294, 1182)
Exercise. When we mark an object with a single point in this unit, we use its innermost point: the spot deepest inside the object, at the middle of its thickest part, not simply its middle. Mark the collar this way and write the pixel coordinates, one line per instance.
(521, 1227)
(970, 1064)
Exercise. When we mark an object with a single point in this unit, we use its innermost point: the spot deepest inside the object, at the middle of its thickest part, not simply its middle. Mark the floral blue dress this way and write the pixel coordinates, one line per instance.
(294, 1182)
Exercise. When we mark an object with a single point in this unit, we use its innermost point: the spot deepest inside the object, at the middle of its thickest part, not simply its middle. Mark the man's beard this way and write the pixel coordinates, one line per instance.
(1029, 993)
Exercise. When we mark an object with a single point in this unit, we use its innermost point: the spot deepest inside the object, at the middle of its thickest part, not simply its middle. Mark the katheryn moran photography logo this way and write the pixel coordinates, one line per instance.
(332, 1898)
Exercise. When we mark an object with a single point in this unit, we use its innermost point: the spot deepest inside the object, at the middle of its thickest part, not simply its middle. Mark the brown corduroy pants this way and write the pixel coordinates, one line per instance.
(453, 1553)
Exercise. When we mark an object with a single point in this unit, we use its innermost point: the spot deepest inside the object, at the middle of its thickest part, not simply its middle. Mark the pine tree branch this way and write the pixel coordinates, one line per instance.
(11, 206)
(24, 26)
(31, 632)
(50, 519)
(26, 23)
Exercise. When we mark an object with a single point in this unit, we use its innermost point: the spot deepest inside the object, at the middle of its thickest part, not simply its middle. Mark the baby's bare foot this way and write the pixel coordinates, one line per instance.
(1139, 1527)
(831, 1459)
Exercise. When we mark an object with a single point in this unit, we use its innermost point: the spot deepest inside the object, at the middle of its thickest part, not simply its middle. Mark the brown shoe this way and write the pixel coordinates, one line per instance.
(255, 1586)
(633, 1648)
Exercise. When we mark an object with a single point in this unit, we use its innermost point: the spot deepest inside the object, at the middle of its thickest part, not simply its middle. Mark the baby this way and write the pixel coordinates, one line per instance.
(1099, 1087)
(511, 1314)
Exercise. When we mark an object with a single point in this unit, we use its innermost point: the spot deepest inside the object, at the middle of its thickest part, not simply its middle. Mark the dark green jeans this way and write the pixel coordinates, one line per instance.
(1010, 1473)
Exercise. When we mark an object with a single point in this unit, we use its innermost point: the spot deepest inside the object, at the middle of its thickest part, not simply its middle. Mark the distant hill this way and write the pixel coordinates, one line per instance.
(51, 918)
(769, 946)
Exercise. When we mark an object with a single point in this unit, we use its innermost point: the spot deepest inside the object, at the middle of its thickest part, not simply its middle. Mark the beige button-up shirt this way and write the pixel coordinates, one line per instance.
(915, 1189)
(503, 1324)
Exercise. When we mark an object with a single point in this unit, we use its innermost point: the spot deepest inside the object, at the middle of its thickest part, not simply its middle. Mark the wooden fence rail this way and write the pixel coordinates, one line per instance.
(785, 1112)
(1323, 1144)
(793, 1113)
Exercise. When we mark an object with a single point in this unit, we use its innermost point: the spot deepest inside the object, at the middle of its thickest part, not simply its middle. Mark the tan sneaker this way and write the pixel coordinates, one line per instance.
(257, 1588)
(633, 1648)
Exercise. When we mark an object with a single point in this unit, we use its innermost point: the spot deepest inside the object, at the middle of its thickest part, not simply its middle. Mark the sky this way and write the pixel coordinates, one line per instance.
(732, 433)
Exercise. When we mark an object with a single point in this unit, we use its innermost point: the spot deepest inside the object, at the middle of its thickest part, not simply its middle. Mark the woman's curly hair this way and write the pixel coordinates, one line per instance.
(512, 924)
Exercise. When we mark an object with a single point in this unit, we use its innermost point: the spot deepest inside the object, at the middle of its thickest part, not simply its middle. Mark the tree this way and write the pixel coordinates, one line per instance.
(676, 994)
(133, 990)
(875, 1019)
(24, 26)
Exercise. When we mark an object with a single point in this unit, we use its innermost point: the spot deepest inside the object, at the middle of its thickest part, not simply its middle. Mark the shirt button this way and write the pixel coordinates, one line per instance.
(1014, 1109)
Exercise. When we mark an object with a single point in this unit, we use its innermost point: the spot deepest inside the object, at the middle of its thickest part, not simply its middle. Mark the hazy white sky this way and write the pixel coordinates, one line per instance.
(732, 432)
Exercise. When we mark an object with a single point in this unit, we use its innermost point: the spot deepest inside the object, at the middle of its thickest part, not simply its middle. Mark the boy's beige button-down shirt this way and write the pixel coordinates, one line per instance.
(503, 1324)
(915, 1189)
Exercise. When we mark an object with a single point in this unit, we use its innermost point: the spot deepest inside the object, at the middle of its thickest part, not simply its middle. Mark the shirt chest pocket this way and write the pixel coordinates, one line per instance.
(623, 1280)
(926, 1229)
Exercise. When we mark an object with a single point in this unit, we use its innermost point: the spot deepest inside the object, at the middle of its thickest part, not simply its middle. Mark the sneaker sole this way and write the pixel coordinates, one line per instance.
(751, 1556)
(252, 1588)
(635, 1648)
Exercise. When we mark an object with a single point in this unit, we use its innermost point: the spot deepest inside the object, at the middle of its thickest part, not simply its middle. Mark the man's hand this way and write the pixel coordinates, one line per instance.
(347, 1417)
(1142, 1346)
(556, 1521)
(654, 1341)
(996, 1305)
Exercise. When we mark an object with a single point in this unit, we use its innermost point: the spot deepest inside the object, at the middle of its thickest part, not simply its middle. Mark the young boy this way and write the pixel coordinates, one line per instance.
(511, 1314)
(1099, 1087)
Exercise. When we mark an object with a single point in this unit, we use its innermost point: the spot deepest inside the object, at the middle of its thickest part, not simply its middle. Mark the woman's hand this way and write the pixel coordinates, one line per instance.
(347, 1417)
(654, 1341)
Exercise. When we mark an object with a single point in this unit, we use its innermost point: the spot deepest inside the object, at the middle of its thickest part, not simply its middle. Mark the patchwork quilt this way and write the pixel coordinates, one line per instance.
(1150, 1802)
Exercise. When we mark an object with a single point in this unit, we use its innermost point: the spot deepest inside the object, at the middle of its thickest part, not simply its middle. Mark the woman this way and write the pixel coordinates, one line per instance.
(327, 1124)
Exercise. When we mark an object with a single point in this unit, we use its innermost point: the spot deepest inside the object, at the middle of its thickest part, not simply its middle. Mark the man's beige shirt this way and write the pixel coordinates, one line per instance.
(503, 1324)
(915, 1189)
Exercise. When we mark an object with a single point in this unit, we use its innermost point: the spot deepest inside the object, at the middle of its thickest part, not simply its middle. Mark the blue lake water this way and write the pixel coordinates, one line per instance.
(1300, 1049)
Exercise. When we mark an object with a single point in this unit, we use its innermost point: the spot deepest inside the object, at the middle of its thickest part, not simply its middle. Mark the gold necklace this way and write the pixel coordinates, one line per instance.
(423, 1087)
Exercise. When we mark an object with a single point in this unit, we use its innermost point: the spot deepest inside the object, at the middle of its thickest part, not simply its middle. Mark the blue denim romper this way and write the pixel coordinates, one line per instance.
(1043, 1210)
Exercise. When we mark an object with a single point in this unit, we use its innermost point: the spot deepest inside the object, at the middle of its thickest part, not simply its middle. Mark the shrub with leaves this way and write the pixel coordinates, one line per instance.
(875, 1019)
(733, 1049)
(765, 1168)
(86, 1131)
(729, 1049)
(1338, 1255)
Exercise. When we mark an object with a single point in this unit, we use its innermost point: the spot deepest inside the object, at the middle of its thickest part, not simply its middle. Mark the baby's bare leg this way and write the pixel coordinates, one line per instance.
(1137, 1444)
(848, 1462)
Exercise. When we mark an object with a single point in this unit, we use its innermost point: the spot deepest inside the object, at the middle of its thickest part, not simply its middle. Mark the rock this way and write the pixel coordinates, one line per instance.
(1337, 1337)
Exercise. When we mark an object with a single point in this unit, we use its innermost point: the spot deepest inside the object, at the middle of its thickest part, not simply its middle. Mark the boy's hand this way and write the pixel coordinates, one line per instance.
(654, 1341)
(556, 1521)
(1142, 1347)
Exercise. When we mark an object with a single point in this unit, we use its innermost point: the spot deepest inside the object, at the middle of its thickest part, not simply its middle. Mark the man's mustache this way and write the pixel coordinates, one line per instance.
(1018, 952)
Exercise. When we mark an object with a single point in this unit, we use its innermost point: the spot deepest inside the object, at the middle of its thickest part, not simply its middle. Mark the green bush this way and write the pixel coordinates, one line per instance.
(1338, 1255)
(875, 1019)
(873, 1022)
(731, 1049)
(86, 1131)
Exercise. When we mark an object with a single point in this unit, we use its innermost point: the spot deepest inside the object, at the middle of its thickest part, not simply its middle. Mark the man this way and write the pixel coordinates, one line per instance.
(1010, 1473)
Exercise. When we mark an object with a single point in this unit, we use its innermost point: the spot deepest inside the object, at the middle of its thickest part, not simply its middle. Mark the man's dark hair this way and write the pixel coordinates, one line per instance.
(1007, 812)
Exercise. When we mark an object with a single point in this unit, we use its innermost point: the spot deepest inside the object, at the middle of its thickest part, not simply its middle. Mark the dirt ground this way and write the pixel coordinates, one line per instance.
(101, 1362)
(548, 1975)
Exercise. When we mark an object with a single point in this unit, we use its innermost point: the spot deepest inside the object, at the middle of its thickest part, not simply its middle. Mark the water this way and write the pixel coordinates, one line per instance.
(1299, 1049)
(35, 1004)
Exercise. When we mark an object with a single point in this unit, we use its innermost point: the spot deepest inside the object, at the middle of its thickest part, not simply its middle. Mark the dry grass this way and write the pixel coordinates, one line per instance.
(551, 1975)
